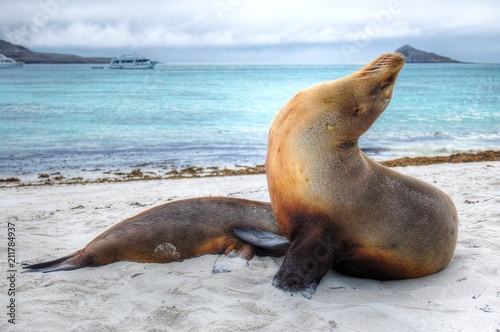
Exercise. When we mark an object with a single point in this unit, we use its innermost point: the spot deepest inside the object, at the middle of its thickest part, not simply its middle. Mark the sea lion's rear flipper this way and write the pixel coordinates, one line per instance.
(262, 239)
(250, 241)
(235, 256)
(66, 263)
(225, 263)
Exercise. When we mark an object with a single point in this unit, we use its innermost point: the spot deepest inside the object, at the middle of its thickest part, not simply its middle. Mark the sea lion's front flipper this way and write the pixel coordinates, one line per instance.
(306, 263)
(262, 239)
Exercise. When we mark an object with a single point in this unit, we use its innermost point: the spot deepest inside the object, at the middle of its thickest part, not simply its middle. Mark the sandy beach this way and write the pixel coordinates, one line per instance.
(52, 221)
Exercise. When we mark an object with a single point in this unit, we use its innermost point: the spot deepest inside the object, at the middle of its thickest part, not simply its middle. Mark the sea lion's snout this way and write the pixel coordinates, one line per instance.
(384, 66)
(389, 62)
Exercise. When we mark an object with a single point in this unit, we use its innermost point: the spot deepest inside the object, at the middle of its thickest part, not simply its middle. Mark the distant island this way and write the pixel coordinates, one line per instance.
(21, 53)
(413, 55)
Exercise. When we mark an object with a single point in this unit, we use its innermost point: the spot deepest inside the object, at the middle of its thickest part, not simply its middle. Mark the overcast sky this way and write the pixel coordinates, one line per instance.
(255, 31)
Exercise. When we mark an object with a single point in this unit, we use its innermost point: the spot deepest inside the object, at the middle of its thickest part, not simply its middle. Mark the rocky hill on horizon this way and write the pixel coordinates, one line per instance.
(21, 53)
(413, 55)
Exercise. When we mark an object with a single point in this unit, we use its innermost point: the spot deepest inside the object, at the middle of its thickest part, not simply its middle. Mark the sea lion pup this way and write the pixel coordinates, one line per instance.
(179, 230)
(339, 208)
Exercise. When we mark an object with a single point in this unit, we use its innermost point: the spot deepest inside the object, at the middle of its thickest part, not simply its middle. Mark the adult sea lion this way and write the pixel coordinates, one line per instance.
(179, 230)
(339, 208)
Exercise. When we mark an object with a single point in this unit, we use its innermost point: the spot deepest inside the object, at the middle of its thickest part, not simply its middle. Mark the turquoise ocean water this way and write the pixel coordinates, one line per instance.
(55, 117)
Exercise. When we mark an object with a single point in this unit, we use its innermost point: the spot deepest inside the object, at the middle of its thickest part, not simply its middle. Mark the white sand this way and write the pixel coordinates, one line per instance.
(55, 221)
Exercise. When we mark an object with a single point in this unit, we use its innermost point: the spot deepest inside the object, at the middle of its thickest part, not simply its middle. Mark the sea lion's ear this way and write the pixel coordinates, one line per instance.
(358, 110)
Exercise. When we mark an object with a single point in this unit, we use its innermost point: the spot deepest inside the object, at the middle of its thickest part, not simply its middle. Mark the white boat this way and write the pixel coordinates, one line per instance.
(6, 62)
(131, 61)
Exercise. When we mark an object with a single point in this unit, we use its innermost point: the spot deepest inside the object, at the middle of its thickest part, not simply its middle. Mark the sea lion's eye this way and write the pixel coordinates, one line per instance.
(385, 85)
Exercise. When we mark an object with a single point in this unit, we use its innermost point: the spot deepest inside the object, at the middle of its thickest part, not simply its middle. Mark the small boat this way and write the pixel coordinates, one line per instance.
(6, 62)
(97, 67)
(131, 61)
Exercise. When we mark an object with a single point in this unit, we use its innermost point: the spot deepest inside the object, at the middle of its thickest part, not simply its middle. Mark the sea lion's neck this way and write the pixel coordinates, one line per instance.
(348, 158)
(341, 160)
(335, 173)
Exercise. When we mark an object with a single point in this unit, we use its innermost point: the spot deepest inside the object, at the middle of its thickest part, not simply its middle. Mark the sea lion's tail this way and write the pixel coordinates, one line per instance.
(66, 263)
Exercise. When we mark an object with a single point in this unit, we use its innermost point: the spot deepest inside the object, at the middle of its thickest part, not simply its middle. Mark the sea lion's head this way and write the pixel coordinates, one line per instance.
(344, 109)
(372, 88)
(357, 100)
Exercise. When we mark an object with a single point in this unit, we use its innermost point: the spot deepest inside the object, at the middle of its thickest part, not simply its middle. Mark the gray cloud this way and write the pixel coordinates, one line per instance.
(346, 30)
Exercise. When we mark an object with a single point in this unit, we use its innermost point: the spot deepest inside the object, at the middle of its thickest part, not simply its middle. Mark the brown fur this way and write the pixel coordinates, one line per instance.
(369, 220)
